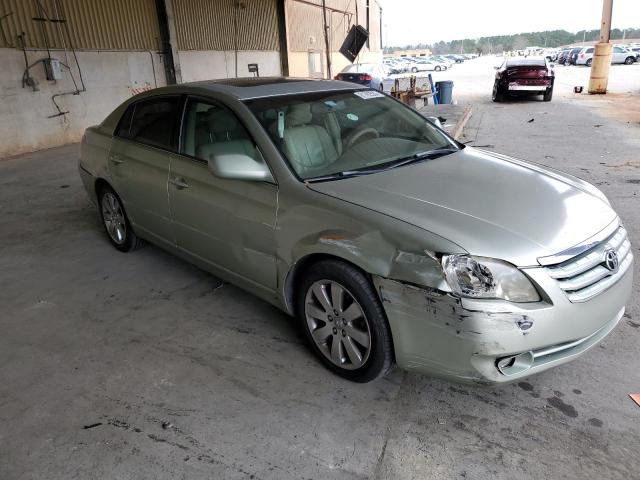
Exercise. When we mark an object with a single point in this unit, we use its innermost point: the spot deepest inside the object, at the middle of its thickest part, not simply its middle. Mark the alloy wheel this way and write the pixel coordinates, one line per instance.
(113, 217)
(338, 324)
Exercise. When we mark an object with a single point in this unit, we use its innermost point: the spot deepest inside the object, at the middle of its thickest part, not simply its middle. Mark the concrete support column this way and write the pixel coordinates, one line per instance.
(168, 37)
(173, 39)
(602, 53)
(600, 68)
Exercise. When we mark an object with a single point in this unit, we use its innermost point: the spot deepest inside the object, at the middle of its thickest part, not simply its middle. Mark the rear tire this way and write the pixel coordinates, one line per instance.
(381, 87)
(589, 62)
(437, 69)
(344, 322)
(115, 221)
(497, 95)
(414, 70)
(548, 95)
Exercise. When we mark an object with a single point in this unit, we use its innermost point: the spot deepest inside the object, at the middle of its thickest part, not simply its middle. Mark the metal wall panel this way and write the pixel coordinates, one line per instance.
(212, 24)
(305, 23)
(304, 27)
(93, 24)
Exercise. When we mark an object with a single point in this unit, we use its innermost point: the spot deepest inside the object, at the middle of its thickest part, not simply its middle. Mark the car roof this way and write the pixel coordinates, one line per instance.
(258, 87)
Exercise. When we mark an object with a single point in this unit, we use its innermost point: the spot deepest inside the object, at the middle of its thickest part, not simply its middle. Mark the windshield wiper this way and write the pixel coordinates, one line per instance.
(338, 175)
(416, 157)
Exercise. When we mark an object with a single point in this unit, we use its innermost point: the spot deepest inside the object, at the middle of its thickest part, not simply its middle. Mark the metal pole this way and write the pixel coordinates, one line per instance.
(602, 53)
(326, 37)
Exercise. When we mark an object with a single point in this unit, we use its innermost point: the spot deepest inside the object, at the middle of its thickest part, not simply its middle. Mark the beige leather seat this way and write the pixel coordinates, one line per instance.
(308, 147)
(228, 135)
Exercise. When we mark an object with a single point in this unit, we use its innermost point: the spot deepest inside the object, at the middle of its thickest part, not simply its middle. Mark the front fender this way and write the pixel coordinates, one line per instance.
(376, 243)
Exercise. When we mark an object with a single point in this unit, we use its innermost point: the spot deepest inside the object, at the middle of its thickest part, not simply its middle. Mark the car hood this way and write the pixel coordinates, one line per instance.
(490, 205)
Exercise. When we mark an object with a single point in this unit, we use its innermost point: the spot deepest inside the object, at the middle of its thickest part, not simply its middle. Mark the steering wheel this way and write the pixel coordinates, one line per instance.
(358, 135)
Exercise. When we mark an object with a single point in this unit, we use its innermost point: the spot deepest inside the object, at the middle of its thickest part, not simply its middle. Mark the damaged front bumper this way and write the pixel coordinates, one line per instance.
(495, 341)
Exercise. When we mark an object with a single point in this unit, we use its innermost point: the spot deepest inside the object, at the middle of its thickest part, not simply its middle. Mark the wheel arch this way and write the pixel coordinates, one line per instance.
(302, 265)
(99, 184)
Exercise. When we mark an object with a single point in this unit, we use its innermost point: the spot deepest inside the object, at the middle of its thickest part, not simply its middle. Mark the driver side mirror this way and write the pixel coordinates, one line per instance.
(239, 166)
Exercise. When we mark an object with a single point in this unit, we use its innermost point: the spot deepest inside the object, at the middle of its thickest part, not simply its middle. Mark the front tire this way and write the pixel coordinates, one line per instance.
(437, 69)
(344, 322)
(115, 221)
(414, 70)
(589, 62)
(629, 60)
(497, 95)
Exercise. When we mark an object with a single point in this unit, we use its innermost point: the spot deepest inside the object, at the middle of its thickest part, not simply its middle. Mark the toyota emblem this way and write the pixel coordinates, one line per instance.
(611, 260)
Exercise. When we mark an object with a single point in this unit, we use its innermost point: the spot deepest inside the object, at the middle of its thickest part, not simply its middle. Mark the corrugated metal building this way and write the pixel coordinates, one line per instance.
(93, 24)
(111, 49)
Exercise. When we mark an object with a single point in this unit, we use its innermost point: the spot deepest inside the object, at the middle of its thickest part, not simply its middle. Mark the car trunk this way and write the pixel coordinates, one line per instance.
(355, 77)
(528, 75)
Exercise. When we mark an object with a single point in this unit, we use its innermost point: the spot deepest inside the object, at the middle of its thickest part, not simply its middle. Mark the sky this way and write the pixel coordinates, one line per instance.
(425, 21)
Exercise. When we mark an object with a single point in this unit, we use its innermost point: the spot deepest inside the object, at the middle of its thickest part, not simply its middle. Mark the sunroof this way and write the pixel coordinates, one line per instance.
(259, 81)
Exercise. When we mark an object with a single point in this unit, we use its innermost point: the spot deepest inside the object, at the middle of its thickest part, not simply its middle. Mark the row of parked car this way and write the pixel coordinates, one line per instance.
(621, 54)
(422, 64)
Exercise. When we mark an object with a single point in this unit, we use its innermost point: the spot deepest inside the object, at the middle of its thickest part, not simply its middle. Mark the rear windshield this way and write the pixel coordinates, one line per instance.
(366, 68)
(526, 62)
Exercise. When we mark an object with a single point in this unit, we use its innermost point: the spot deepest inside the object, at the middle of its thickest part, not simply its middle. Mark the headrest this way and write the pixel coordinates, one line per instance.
(299, 114)
(319, 108)
(222, 121)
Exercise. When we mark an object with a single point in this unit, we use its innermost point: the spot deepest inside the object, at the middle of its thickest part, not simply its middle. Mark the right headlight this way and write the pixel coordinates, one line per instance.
(482, 277)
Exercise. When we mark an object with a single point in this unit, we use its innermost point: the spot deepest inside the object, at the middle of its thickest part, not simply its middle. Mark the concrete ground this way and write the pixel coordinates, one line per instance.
(136, 366)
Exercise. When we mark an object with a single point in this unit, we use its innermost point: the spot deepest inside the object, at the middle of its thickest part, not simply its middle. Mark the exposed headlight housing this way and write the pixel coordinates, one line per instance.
(481, 277)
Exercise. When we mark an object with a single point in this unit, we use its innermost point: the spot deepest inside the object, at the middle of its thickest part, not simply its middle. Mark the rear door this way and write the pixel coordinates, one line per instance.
(226, 222)
(139, 163)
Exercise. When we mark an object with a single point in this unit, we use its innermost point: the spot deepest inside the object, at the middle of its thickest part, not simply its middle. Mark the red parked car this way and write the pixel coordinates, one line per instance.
(524, 76)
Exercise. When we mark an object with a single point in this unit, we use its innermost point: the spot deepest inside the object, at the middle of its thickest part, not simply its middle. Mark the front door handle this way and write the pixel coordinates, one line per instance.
(116, 159)
(179, 183)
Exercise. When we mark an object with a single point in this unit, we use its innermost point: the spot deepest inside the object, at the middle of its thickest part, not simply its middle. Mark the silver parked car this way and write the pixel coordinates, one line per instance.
(618, 55)
(387, 239)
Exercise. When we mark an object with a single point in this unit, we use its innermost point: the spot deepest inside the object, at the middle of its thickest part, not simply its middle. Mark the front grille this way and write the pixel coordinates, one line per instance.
(586, 275)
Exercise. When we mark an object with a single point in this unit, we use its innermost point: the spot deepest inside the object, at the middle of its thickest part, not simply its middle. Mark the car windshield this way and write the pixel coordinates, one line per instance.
(330, 135)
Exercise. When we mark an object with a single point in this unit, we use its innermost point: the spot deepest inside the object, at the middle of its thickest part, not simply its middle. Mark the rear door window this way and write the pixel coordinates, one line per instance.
(153, 122)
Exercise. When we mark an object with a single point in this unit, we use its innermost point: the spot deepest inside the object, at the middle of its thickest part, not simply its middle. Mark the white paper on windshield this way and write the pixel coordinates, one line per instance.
(367, 94)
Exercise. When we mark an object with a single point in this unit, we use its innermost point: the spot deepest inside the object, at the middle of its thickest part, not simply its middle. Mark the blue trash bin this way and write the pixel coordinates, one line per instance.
(444, 89)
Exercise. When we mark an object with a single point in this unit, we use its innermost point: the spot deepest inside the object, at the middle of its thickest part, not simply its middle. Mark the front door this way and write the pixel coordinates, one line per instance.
(139, 164)
(227, 223)
(618, 55)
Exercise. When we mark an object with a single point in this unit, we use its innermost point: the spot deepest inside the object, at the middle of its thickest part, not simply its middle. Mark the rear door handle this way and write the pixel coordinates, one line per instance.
(179, 183)
(116, 159)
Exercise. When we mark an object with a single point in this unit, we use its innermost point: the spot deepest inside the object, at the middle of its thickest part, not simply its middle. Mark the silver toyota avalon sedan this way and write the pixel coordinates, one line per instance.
(387, 239)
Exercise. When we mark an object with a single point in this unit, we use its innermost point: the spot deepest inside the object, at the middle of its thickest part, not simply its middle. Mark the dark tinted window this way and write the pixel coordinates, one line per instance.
(589, 50)
(154, 122)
